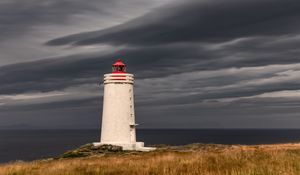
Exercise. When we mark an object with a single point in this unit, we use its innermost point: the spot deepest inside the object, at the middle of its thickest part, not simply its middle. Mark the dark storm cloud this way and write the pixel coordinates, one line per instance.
(148, 62)
(47, 75)
(72, 114)
(58, 73)
(25, 25)
(186, 22)
(201, 60)
(17, 16)
(260, 113)
(80, 103)
(199, 21)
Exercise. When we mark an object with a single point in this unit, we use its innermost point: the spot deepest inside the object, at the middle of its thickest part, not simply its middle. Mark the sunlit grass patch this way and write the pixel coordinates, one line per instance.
(193, 159)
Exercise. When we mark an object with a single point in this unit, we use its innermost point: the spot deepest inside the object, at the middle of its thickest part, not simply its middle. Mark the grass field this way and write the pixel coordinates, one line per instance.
(282, 159)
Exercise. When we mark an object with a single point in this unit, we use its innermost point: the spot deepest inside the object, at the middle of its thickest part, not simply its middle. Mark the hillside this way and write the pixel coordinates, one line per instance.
(195, 159)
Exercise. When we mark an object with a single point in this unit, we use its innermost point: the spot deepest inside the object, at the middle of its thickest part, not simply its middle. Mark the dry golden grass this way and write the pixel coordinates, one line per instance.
(191, 159)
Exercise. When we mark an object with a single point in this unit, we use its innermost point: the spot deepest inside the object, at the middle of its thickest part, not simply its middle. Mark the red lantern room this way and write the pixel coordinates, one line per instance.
(119, 67)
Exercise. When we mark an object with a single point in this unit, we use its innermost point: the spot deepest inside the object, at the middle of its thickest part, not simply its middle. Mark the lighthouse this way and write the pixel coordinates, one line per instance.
(118, 116)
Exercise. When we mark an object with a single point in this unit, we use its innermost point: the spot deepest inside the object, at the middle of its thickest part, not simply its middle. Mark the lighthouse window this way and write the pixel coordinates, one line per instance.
(118, 68)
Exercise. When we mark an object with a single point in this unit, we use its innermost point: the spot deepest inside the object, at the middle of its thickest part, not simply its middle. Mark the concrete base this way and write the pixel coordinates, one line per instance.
(138, 146)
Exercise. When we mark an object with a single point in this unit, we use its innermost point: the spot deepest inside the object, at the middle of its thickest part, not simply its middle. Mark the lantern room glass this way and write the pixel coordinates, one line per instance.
(119, 68)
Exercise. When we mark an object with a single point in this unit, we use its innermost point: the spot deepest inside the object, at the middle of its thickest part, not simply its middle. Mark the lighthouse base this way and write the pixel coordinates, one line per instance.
(138, 146)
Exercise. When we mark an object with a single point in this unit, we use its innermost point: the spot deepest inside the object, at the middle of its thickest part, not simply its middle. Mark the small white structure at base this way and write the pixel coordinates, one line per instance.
(118, 117)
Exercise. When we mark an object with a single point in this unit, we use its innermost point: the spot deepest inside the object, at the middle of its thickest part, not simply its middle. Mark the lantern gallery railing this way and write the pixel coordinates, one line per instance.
(119, 78)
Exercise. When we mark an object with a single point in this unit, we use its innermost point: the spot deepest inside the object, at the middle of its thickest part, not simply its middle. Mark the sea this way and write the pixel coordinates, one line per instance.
(26, 145)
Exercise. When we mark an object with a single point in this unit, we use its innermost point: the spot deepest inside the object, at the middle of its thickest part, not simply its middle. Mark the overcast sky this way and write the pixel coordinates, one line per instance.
(197, 63)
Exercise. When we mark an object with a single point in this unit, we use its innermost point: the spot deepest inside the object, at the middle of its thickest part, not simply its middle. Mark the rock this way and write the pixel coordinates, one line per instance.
(90, 150)
(110, 148)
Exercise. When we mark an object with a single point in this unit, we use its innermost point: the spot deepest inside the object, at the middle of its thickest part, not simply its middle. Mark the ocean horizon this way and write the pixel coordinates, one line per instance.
(31, 144)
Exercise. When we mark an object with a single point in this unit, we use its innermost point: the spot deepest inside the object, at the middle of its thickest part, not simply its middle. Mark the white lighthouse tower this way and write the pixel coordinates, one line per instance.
(118, 117)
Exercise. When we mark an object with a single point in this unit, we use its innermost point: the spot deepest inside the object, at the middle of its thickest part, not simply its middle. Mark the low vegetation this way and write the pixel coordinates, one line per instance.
(198, 159)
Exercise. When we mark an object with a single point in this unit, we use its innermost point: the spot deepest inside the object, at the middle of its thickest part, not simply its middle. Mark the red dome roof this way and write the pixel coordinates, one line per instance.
(119, 63)
(119, 67)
